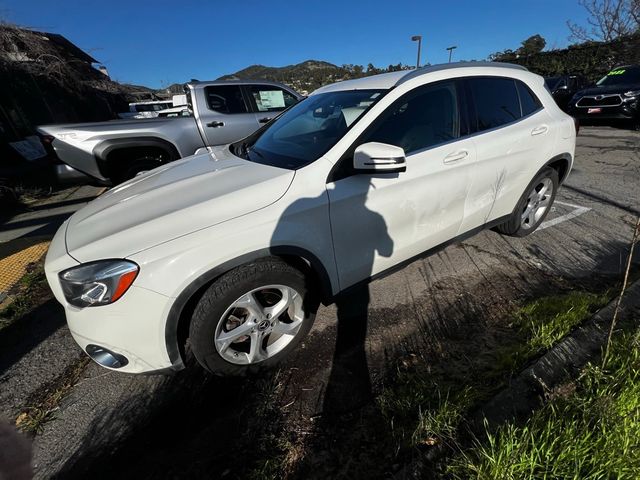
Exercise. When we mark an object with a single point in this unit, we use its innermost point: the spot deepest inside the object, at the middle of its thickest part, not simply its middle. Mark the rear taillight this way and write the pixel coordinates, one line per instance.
(47, 143)
(46, 139)
(576, 122)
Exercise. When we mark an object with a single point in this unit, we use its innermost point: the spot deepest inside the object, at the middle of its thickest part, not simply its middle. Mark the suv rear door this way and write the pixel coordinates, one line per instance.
(226, 115)
(514, 135)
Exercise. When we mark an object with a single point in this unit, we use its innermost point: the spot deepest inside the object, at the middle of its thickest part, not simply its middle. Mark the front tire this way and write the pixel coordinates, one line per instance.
(251, 318)
(533, 206)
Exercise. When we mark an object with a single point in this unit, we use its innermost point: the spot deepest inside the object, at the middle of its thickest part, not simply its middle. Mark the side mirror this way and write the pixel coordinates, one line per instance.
(374, 157)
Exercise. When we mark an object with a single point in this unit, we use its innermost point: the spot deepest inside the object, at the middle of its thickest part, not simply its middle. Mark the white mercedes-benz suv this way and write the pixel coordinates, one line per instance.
(231, 250)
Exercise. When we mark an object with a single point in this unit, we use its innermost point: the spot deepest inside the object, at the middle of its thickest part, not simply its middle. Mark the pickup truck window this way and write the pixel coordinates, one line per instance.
(271, 99)
(307, 130)
(225, 99)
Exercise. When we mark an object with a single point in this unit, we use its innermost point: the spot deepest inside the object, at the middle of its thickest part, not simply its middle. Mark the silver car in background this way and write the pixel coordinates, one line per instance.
(111, 152)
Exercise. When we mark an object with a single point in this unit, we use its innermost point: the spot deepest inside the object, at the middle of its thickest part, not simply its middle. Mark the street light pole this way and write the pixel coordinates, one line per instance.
(417, 38)
(451, 49)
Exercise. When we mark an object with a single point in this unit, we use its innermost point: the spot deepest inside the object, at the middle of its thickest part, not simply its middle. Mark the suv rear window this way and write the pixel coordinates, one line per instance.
(496, 100)
(225, 99)
(528, 101)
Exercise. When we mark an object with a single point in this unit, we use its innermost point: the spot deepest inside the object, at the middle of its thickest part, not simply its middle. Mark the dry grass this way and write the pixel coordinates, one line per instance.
(47, 400)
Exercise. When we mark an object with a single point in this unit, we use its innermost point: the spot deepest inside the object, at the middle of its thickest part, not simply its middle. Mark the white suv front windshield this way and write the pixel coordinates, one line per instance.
(308, 130)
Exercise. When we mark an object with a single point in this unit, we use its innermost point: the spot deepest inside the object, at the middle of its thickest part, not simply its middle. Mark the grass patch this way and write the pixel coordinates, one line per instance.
(439, 425)
(276, 455)
(47, 400)
(428, 407)
(543, 322)
(549, 319)
(592, 433)
(27, 294)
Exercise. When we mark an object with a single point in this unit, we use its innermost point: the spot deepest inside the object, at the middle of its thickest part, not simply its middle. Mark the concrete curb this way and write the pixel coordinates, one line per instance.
(530, 389)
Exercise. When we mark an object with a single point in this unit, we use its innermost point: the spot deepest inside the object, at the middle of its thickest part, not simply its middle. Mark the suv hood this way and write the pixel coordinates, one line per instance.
(170, 201)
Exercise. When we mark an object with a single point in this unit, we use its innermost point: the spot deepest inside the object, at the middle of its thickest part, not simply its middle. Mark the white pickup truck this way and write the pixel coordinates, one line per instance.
(111, 152)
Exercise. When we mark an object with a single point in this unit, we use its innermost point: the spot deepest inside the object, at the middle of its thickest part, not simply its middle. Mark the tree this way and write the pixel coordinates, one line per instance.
(532, 45)
(372, 70)
(607, 20)
(507, 55)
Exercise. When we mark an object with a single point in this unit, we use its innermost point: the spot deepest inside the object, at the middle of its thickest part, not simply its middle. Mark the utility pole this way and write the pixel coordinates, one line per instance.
(451, 49)
(417, 38)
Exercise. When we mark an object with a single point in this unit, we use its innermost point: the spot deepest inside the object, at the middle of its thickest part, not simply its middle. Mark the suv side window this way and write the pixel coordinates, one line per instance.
(528, 100)
(225, 99)
(496, 101)
(271, 99)
(424, 117)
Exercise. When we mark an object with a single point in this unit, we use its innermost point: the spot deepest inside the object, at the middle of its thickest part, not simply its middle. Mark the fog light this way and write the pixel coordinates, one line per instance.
(105, 357)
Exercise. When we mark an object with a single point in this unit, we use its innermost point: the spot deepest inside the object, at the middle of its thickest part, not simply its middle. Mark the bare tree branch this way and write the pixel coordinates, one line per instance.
(607, 20)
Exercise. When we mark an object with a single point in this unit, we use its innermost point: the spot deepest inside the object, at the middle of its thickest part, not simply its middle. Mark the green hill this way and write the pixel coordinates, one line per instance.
(305, 77)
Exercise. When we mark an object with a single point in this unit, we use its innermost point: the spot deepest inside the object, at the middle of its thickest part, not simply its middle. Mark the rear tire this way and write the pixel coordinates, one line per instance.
(533, 206)
(251, 318)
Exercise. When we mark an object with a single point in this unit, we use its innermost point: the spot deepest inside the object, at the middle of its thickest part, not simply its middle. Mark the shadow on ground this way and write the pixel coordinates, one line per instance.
(25, 333)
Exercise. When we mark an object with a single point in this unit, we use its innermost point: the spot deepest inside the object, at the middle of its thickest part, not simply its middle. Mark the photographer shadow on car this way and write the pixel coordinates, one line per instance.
(348, 387)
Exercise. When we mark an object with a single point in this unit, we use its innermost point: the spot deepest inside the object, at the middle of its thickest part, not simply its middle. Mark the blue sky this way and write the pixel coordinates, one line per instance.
(156, 43)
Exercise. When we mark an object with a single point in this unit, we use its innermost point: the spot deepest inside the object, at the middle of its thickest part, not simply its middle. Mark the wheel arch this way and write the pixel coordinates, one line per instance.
(562, 164)
(104, 149)
(178, 320)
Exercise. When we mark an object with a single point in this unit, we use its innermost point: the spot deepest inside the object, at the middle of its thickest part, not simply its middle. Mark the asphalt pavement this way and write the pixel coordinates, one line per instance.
(124, 426)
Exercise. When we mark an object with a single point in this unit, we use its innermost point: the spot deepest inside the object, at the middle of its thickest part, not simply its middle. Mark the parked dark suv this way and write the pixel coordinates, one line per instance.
(564, 87)
(615, 97)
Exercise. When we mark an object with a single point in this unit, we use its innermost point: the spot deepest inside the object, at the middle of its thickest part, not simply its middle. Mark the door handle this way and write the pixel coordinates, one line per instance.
(265, 120)
(456, 156)
(215, 124)
(540, 130)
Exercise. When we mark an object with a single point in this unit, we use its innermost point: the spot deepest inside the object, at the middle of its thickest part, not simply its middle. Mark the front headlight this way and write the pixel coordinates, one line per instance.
(97, 283)
(632, 93)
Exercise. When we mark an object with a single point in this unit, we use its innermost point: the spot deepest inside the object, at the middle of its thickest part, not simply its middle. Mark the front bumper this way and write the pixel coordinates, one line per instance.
(629, 111)
(132, 327)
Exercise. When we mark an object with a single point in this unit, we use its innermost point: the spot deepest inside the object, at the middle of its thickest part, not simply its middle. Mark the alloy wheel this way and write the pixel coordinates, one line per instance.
(259, 324)
(538, 201)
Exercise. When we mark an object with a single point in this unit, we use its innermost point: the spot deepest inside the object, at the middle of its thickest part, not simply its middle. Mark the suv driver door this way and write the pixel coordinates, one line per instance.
(380, 220)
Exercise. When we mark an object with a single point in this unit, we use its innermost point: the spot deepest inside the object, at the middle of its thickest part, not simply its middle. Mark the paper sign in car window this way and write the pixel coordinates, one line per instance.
(271, 99)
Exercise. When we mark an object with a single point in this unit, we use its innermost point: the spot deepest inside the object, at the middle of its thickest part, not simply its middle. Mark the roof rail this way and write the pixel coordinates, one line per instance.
(449, 66)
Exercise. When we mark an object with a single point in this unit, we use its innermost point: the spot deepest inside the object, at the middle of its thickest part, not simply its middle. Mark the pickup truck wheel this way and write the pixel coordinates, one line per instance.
(251, 318)
(534, 205)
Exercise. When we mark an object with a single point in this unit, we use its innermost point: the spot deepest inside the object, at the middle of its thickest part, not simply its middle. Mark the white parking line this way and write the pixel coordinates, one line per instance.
(563, 218)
